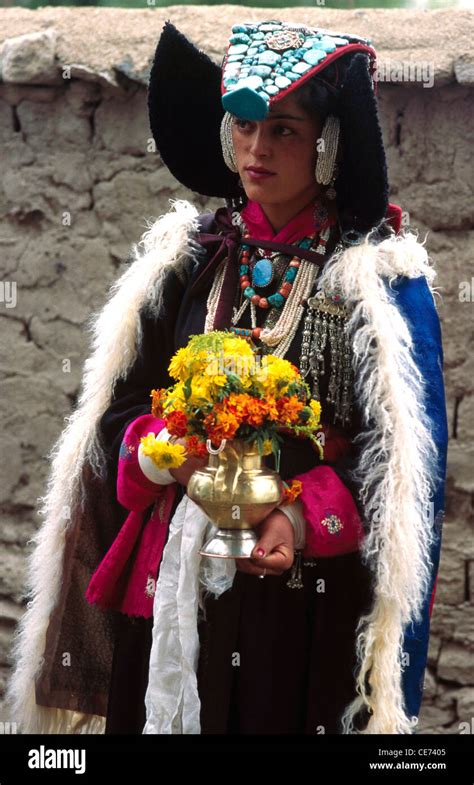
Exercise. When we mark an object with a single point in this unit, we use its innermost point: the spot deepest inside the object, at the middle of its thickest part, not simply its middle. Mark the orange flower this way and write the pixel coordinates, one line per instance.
(195, 447)
(292, 492)
(157, 398)
(256, 412)
(237, 403)
(289, 409)
(221, 425)
(272, 409)
(177, 423)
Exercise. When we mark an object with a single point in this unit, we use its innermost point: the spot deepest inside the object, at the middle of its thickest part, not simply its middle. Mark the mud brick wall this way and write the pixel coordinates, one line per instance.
(80, 177)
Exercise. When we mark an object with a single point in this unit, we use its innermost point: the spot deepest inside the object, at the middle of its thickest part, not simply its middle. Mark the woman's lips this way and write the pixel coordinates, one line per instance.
(258, 175)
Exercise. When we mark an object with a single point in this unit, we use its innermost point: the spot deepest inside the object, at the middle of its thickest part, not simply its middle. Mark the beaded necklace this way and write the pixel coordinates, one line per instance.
(285, 314)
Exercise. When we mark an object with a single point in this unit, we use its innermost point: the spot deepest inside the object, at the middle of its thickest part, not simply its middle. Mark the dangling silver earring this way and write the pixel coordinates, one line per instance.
(227, 143)
(326, 168)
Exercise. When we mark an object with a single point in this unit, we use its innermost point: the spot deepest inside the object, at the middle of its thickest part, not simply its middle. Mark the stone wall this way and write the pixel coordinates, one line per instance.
(79, 178)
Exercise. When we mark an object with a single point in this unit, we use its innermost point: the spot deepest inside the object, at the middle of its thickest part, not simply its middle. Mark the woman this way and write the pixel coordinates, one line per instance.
(334, 643)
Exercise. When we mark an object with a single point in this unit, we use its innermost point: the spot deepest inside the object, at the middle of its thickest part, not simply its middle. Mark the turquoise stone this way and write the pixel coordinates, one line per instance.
(262, 272)
(268, 58)
(271, 89)
(313, 56)
(237, 49)
(241, 38)
(276, 299)
(290, 274)
(261, 70)
(249, 292)
(239, 29)
(301, 68)
(243, 269)
(251, 81)
(282, 82)
(327, 44)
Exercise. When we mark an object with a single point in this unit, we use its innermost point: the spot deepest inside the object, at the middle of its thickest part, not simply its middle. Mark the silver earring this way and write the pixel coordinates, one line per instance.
(227, 143)
(326, 168)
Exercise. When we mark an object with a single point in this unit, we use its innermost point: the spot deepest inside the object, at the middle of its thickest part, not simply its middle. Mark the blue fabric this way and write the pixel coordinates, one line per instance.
(415, 302)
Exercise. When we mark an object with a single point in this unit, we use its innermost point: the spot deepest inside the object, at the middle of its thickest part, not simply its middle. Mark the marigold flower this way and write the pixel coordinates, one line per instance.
(256, 412)
(163, 454)
(178, 367)
(196, 447)
(177, 423)
(291, 492)
(289, 409)
(221, 425)
(157, 402)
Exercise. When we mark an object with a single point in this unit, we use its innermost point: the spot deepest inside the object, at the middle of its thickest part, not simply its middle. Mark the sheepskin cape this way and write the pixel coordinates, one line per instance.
(62, 649)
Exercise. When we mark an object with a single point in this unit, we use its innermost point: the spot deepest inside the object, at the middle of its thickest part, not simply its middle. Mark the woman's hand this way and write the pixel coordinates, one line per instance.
(277, 540)
(192, 462)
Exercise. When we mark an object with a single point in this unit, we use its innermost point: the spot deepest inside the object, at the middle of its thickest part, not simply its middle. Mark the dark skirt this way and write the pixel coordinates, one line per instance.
(273, 659)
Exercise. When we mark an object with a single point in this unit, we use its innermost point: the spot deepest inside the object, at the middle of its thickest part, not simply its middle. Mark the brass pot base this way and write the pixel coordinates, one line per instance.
(230, 544)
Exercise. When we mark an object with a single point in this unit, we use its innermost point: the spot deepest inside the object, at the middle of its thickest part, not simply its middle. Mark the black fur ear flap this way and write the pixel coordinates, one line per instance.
(362, 185)
(185, 113)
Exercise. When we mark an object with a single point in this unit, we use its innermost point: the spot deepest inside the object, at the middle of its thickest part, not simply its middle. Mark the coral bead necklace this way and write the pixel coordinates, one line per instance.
(262, 275)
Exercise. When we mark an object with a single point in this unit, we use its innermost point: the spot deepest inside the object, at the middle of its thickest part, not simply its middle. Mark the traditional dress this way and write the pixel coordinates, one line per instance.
(128, 629)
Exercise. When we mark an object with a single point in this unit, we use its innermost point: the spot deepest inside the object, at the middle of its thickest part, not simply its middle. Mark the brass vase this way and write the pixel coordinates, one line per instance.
(236, 492)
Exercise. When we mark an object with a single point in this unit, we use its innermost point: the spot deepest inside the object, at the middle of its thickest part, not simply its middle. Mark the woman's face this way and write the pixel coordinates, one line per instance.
(285, 144)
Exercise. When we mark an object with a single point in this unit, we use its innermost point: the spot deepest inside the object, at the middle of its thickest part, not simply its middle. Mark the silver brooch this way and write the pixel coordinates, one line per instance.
(333, 523)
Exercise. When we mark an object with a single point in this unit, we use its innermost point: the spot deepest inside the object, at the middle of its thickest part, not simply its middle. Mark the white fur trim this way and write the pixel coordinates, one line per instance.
(397, 460)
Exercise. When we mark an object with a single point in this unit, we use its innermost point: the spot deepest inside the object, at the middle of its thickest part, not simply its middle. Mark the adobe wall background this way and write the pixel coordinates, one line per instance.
(78, 182)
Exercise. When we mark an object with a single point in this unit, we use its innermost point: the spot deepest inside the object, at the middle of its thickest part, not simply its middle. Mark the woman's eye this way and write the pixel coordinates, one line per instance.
(279, 129)
(284, 128)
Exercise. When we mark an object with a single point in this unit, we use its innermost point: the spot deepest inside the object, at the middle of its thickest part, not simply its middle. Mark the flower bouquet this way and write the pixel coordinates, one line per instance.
(231, 404)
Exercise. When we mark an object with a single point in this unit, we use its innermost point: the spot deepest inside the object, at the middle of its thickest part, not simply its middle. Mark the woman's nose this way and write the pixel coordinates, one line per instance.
(259, 142)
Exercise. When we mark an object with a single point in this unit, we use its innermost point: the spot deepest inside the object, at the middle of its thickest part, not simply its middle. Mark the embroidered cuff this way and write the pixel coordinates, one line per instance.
(150, 469)
(294, 511)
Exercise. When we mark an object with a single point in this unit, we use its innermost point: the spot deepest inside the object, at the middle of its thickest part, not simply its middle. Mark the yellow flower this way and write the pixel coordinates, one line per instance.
(267, 447)
(163, 454)
(315, 407)
(219, 380)
(178, 367)
(175, 398)
(199, 389)
(233, 345)
(275, 374)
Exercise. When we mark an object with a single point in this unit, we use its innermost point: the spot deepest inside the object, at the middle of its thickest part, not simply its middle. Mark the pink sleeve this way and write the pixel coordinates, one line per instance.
(333, 524)
(134, 490)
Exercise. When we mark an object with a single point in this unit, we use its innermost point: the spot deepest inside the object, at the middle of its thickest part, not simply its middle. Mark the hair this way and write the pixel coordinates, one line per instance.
(320, 93)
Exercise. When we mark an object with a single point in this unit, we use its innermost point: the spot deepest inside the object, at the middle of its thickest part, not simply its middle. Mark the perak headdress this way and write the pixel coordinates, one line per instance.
(189, 96)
